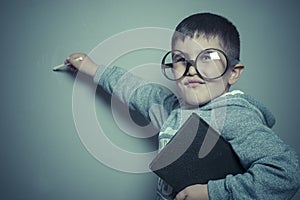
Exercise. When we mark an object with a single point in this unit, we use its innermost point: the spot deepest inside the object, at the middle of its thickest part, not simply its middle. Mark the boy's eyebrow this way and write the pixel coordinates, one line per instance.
(194, 54)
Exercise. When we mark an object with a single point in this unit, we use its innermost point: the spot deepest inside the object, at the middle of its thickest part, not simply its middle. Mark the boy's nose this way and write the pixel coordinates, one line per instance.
(192, 69)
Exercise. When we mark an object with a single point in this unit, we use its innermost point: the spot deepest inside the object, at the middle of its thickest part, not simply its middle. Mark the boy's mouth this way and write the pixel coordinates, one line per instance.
(193, 82)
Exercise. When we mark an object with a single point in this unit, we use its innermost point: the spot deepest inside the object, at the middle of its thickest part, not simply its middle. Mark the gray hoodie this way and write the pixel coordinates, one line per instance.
(272, 166)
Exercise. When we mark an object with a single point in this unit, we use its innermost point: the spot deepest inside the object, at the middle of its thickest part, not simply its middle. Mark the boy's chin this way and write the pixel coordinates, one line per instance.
(195, 102)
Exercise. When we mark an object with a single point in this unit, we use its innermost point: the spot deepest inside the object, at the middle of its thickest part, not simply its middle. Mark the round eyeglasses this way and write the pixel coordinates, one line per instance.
(209, 64)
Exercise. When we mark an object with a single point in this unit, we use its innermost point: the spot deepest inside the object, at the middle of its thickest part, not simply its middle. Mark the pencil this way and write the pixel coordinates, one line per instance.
(63, 65)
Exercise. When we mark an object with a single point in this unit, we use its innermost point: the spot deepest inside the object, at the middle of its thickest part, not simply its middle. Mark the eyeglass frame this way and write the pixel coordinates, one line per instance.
(189, 63)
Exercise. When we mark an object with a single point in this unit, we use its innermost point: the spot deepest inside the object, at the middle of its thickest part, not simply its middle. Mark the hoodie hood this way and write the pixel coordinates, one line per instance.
(238, 98)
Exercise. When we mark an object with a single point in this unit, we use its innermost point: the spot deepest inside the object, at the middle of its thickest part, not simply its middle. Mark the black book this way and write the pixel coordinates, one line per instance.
(196, 154)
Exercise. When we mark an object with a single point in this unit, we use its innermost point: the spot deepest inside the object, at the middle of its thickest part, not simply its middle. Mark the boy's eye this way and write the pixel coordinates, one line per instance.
(178, 58)
(210, 56)
(205, 57)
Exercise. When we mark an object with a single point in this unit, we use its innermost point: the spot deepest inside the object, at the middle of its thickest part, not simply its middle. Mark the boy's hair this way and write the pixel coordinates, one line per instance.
(210, 26)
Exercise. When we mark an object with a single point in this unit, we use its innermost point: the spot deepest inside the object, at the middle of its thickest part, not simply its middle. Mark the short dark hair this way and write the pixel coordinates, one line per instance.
(210, 25)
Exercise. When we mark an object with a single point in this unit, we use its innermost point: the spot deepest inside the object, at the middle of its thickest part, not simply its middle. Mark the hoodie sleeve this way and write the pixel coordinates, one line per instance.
(153, 101)
(272, 166)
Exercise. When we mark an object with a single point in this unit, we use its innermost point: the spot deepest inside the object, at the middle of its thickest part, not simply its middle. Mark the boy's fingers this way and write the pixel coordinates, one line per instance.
(66, 61)
(181, 195)
(74, 60)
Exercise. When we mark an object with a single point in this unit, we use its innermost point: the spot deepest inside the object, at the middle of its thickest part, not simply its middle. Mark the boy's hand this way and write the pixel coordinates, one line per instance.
(193, 192)
(83, 63)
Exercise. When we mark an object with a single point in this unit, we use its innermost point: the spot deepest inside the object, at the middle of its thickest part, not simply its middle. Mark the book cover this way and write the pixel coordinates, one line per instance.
(196, 154)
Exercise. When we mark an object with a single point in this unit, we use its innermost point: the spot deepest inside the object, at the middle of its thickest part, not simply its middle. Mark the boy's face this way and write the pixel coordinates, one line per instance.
(194, 90)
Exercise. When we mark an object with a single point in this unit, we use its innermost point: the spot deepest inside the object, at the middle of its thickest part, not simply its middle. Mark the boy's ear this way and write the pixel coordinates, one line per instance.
(235, 73)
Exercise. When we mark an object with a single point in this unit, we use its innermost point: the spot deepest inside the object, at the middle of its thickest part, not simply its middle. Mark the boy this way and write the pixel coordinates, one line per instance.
(204, 64)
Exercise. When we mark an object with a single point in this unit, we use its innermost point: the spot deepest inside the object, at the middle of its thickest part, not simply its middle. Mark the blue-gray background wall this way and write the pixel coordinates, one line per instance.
(41, 154)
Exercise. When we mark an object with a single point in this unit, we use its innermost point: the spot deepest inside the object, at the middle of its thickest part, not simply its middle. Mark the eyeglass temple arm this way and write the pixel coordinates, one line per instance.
(169, 65)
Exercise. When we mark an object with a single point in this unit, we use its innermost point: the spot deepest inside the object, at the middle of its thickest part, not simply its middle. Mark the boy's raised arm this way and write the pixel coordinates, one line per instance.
(153, 101)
